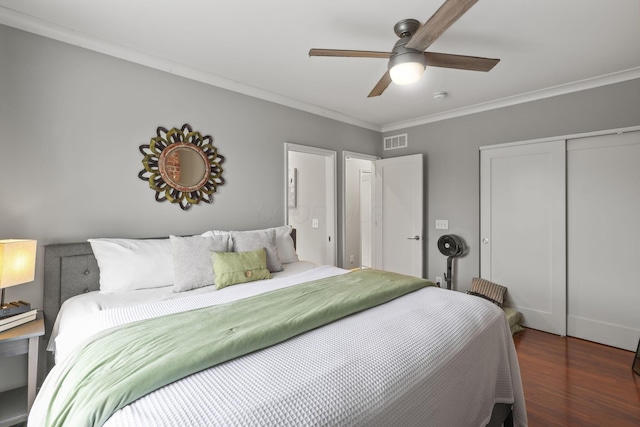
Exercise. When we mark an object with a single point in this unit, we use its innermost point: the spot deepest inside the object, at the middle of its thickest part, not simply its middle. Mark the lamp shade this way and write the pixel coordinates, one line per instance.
(406, 68)
(17, 262)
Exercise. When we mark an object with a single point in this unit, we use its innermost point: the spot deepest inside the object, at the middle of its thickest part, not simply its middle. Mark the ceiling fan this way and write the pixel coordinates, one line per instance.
(408, 58)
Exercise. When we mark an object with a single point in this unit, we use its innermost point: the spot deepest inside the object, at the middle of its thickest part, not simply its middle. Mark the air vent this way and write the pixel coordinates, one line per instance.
(396, 141)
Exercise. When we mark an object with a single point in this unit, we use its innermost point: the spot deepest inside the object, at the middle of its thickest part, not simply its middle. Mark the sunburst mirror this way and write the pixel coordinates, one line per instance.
(182, 166)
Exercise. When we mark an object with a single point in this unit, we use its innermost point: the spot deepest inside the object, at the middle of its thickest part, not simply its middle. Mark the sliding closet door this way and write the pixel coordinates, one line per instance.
(603, 209)
(522, 226)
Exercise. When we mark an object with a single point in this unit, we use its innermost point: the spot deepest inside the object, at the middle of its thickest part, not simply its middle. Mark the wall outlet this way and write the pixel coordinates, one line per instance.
(352, 259)
(439, 281)
(315, 223)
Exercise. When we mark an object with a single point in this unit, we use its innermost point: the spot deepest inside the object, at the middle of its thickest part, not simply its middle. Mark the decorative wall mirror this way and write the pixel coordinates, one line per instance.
(182, 166)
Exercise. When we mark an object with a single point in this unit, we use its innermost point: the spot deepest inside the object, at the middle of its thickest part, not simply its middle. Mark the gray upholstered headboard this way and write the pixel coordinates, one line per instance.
(71, 269)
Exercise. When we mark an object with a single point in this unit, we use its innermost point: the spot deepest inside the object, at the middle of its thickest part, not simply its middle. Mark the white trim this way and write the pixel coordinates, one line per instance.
(33, 25)
(309, 149)
(331, 183)
(621, 76)
(345, 155)
(46, 29)
(565, 137)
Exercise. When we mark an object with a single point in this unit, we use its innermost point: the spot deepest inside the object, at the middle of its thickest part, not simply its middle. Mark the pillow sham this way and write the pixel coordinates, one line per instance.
(244, 241)
(192, 260)
(232, 268)
(215, 233)
(284, 244)
(130, 264)
(487, 290)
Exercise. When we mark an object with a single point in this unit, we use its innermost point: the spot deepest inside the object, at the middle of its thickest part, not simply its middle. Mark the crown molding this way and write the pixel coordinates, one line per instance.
(46, 29)
(33, 25)
(631, 74)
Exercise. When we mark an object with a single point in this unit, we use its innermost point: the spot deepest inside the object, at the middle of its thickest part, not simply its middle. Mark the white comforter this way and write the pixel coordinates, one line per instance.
(431, 358)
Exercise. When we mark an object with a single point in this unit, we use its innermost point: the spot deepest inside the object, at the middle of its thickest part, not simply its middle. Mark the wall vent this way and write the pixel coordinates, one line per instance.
(395, 141)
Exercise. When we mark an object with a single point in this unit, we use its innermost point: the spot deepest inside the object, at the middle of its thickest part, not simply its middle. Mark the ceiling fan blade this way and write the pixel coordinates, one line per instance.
(349, 53)
(460, 62)
(382, 84)
(444, 17)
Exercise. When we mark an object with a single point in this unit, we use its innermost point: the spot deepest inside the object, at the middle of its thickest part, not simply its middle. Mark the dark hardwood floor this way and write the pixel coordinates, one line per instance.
(572, 382)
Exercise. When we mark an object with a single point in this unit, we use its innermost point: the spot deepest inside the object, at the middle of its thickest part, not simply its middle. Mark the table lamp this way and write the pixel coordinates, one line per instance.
(17, 266)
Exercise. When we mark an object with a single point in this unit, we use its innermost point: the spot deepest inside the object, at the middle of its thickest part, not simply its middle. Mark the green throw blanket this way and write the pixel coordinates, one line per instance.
(125, 363)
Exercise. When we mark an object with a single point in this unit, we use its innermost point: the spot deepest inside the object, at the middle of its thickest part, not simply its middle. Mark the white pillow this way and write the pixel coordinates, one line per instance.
(215, 233)
(284, 243)
(244, 241)
(192, 260)
(129, 264)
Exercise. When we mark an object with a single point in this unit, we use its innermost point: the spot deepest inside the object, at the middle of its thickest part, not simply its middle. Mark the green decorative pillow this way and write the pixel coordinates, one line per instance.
(231, 268)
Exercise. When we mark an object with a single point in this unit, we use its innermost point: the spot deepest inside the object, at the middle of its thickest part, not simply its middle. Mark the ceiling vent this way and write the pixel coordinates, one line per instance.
(396, 141)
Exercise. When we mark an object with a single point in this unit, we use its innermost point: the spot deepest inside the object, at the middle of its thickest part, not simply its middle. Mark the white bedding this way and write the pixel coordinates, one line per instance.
(78, 315)
(433, 357)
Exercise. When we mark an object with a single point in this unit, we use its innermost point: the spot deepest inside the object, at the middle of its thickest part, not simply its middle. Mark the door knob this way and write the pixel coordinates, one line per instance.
(485, 241)
(416, 237)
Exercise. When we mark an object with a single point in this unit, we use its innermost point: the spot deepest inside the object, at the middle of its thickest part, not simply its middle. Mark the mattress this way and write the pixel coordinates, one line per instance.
(432, 357)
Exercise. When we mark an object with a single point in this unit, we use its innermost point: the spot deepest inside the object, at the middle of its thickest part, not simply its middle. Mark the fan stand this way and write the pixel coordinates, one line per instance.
(448, 275)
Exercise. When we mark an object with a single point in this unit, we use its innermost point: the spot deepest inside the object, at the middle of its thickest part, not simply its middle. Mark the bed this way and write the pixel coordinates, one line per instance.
(429, 357)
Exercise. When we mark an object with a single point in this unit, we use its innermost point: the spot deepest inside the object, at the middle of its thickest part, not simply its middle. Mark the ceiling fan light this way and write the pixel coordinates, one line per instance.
(407, 68)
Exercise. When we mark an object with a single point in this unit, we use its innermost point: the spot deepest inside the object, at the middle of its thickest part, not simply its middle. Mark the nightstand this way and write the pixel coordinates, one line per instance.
(15, 404)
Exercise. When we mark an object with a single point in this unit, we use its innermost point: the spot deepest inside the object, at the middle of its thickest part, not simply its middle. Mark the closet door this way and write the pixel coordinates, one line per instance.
(603, 209)
(522, 229)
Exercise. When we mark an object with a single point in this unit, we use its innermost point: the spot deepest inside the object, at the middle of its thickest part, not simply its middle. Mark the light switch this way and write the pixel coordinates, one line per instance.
(314, 223)
(442, 224)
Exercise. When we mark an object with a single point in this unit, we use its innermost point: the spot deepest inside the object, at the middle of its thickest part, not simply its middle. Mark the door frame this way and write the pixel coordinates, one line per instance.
(331, 196)
(343, 228)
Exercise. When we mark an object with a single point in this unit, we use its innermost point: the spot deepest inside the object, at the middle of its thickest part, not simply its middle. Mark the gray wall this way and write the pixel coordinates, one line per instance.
(72, 121)
(452, 156)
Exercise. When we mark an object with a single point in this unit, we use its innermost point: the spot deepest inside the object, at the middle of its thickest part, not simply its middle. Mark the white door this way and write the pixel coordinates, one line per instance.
(314, 213)
(603, 209)
(398, 215)
(355, 247)
(366, 225)
(523, 229)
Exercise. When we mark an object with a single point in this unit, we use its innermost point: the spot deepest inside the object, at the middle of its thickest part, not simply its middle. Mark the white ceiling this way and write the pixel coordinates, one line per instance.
(260, 48)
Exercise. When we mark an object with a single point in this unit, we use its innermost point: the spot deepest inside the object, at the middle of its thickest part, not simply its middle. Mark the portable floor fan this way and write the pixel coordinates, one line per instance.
(450, 246)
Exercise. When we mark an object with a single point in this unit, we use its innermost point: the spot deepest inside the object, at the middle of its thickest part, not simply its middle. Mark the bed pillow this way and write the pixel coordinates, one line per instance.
(487, 290)
(284, 244)
(129, 264)
(244, 241)
(215, 233)
(239, 267)
(192, 260)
